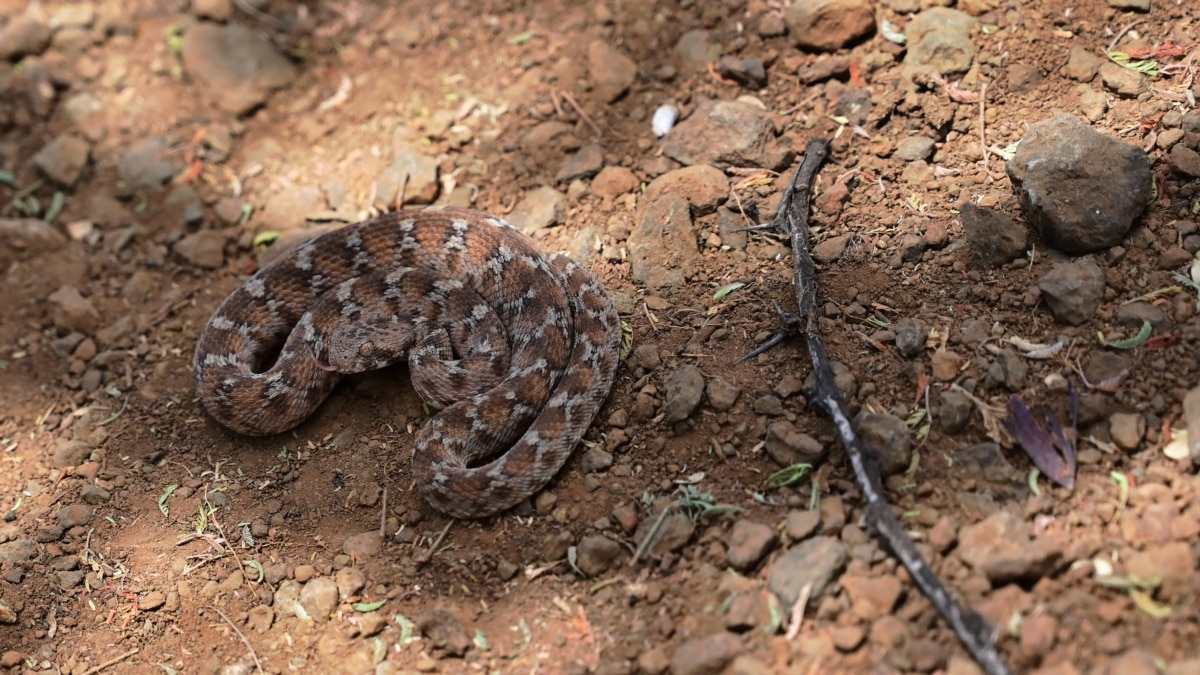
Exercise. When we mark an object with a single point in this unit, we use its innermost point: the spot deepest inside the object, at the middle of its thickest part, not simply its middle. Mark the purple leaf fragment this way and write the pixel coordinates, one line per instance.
(1047, 445)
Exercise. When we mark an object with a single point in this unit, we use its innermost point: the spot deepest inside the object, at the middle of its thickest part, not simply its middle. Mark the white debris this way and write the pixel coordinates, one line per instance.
(664, 119)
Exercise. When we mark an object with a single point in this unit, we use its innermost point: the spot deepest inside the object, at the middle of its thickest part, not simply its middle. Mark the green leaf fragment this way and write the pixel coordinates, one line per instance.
(789, 475)
(1122, 482)
(521, 38)
(1145, 603)
(162, 499)
(1133, 342)
(57, 202)
(264, 238)
(257, 567)
(407, 628)
(727, 289)
(892, 34)
(379, 650)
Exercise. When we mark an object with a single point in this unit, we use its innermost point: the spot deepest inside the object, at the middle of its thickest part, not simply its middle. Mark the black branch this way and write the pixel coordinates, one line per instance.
(792, 221)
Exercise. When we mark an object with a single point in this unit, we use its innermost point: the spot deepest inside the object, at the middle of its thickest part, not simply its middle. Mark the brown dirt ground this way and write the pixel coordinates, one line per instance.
(322, 482)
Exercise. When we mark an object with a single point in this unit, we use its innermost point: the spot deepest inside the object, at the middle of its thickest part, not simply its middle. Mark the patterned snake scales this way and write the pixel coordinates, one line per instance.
(518, 349)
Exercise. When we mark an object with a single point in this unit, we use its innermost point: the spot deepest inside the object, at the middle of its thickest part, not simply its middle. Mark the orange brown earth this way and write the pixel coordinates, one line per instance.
(154, 154)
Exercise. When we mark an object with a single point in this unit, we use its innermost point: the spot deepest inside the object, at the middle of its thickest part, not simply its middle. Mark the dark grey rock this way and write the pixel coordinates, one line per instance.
(1135, 313)
(1124, 81)
(612, 72)
(595, 460)
(541, 207)
(1080, 189)
(985, 461)
(814, 561)
(63, 159)
(940, 38)
(1081, 64)
(1106, 366)
(95, 495)
(444, 632)
(995, 238)
(597, 554)
(683, 387)
(1185, 160)
(662, 249)
(74, 514)
(748, 543)
(25, 238)
(182, 207)
(727, 133)
(768, 405)
(843, 379)
(673, 534)
(697, 49)
(889, 436)
(704, 187)
(205, 248)
(729, 226)
(319, 598)
(829, 25)
(645, 356)
(23, 36)
(800, 525)
(1073, 291)
(18, 551)
(910, 337)
(558, 545)
(70, 453)
(788, 445)
(146, 164)
(416, 173)
(1009, 370)
(954, 409)
(236, 66)
(585, 163)
(749, 73)
(69, 580)
(721, 394)
(912, 148)
(706, 655)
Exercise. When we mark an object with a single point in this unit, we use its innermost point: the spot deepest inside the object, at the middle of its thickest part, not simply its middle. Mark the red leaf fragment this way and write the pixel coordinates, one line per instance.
(1162, 341)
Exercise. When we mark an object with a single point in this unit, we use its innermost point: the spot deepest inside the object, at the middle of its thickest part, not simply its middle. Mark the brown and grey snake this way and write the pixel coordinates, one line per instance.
(517, 348)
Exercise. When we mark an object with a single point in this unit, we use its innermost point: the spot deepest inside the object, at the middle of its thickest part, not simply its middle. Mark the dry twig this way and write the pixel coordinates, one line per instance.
(111, 662)
(426, 555)
(582, 115)
(240, 634)
(972, 630)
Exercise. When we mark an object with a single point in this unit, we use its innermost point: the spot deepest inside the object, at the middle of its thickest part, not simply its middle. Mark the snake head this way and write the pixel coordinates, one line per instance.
(359, 347)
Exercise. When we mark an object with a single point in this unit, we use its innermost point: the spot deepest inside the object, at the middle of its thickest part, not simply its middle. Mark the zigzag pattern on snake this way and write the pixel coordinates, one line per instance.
(517, 348)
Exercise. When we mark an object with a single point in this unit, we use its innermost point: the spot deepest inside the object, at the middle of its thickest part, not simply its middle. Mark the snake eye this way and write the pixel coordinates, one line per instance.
(367, 349)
